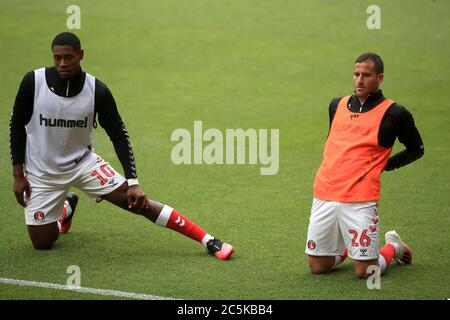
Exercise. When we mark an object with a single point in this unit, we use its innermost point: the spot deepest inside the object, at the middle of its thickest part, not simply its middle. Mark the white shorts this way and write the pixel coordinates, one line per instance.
(92, 175)
(336, 225)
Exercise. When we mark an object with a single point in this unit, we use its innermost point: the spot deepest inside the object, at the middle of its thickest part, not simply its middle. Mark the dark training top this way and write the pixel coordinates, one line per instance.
(104, 105)
(396, 123)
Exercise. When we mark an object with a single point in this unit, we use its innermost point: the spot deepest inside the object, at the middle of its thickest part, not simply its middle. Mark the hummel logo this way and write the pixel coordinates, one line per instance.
(62, 123)
(112, 182)
(180, 222)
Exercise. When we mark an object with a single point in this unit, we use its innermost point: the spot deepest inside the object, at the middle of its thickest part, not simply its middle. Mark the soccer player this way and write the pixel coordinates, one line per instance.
(344, 214)
(54, 114)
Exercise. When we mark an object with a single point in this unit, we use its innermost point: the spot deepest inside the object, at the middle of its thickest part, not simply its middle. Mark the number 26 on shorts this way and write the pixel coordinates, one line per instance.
(364, 240)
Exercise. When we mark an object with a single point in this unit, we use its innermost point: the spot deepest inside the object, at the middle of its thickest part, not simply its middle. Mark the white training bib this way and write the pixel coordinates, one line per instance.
(59, 133)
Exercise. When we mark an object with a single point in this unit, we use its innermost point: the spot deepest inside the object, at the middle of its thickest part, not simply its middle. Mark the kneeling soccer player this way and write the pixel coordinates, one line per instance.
(51, 127)
(344, 214)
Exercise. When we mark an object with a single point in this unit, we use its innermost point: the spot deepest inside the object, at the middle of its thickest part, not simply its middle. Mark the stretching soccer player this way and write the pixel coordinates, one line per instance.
(344, 214)
(51, 126)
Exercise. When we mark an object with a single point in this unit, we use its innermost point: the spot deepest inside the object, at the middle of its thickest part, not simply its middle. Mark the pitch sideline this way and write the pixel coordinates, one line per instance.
(103, 292)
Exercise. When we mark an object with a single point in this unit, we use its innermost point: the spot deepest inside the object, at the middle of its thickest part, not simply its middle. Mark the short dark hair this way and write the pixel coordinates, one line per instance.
(67, 38)
(376, 59)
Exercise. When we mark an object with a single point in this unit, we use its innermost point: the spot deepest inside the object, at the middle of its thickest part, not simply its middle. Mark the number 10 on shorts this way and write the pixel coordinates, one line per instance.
(105, 172)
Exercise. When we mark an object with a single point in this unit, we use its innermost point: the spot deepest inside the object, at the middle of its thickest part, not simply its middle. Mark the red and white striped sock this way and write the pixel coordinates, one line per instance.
(67, 212)
(170, 218)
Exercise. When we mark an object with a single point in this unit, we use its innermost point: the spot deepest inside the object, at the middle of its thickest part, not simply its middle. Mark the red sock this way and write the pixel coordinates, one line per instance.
(388, 252)
(172, 219)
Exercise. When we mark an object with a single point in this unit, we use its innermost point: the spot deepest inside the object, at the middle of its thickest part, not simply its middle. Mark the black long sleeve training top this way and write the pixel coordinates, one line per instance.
(105, 107)
(396, 123)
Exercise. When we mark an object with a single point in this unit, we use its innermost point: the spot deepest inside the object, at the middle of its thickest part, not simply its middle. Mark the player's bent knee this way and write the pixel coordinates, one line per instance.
(42, 246)
(361, 268)
(43, 243)
(362, 274)
(43, 237)
(319, 269)
(320, 265)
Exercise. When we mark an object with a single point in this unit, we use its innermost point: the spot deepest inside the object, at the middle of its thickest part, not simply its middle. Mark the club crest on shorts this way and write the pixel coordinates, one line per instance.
(311, 245)
(39, 216)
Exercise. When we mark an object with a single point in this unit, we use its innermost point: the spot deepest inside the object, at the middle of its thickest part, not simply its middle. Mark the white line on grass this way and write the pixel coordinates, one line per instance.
(114, 293)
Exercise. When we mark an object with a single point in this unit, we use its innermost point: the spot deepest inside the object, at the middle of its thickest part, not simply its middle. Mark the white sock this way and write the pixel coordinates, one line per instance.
(337, 261)
(206, 238)
(382, 264)
(396, 247)
(164, 216)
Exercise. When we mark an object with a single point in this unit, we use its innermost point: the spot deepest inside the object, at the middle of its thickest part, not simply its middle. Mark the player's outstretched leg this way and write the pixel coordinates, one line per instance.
(167, 217)
(172, 219)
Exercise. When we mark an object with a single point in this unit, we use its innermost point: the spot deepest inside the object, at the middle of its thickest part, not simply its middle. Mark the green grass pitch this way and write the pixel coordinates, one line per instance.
(234, 64)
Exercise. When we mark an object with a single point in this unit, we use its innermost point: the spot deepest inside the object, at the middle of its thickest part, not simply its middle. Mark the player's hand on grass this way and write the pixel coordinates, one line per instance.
(137, 199)
(22, 190)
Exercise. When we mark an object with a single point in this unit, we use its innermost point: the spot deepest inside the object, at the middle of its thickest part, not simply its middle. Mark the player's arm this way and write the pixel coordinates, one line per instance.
(332, 109)
(110, 119)
(409, 136)
(20, 116)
